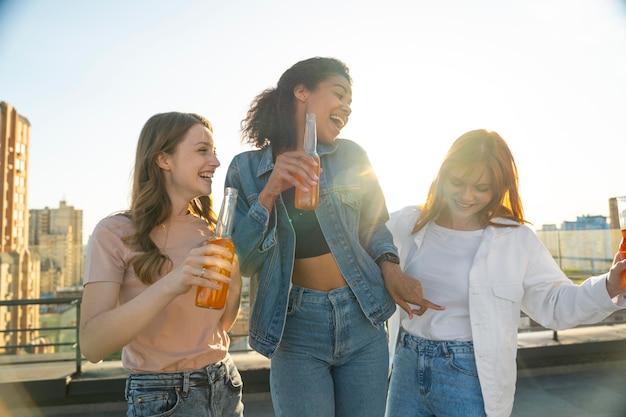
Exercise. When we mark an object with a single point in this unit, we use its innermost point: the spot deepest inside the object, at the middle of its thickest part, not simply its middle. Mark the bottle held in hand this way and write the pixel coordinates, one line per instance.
(309, 200)
(208, 297)
(621, 209)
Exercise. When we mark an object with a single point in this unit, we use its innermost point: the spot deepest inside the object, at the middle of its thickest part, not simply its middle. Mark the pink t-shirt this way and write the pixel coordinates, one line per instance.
(182, 336)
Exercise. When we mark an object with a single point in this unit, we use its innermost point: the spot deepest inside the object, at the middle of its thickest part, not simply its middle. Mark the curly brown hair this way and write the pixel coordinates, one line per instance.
(271, 117)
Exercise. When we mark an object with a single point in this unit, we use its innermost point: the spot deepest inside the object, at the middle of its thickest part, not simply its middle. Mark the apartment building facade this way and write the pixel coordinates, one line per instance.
(56, 234)
(19, 268)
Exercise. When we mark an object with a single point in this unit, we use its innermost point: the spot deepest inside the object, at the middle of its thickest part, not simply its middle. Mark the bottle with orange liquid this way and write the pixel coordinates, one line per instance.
(208, 297)
(621, 209)
(309, 200)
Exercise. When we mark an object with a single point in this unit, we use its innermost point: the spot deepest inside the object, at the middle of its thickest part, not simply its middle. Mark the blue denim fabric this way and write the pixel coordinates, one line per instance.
(433, 378)
(214, 391)
(352, 215)
(331, 362)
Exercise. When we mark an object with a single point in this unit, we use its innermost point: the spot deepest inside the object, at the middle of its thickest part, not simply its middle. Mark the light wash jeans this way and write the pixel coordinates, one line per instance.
(432, 378)
(331, 361)
(214, 391)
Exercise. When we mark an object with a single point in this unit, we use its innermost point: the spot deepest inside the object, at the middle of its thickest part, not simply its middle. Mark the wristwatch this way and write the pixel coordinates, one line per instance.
(388, 256)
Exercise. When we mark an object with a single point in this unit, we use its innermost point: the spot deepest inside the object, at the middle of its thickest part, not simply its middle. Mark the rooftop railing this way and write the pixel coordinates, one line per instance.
(37, 343)
(51, 349)
(60, 343)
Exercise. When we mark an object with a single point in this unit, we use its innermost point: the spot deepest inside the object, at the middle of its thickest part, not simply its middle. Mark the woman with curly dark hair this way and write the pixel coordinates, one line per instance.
(323, 275)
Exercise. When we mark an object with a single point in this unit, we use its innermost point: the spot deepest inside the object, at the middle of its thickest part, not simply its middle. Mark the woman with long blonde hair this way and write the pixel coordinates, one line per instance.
(143, 267)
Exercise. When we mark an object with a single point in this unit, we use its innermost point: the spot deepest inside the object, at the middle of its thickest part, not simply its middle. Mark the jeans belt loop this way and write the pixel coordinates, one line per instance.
(445, 348)
(297, 301)
(127, 388)
(186, 375)
(225, 370)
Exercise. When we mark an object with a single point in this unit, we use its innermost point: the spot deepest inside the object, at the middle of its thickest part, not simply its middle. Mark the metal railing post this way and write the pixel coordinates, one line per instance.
(79, 362)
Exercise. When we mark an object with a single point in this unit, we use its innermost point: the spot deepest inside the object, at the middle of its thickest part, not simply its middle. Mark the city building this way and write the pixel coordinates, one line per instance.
(586, 223)
(585, 246)
(19, 268)
(56, 234)
(614, 213)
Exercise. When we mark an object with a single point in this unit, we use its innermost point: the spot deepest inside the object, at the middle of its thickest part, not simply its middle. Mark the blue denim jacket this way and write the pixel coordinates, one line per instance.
(352, 215)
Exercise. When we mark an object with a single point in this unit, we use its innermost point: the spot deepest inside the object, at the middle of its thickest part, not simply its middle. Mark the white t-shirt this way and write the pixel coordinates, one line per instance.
(442, 265)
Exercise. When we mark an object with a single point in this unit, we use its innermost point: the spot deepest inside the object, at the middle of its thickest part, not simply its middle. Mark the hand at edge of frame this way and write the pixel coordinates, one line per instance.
(616, 281)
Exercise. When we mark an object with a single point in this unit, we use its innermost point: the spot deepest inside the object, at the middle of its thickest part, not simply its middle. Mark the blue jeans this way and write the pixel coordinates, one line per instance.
(331, 361)
(434, 379)
(214, 391)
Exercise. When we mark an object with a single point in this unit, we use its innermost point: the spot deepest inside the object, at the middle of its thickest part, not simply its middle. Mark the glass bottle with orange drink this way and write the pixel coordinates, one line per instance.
(208, 297)
(308, 200)
(621, 211)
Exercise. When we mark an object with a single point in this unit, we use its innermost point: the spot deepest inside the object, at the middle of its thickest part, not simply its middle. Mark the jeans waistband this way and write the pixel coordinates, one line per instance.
(307, 295)
(435, 347)
(181, 379)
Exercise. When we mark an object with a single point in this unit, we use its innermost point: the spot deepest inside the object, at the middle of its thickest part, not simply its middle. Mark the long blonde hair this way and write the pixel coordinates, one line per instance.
(150, 204)
(479, 149)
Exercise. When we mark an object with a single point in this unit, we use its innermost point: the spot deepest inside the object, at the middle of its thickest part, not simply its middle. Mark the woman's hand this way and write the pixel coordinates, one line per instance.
(616, 281)
(405, 289)
(293, 168)
(201, 268)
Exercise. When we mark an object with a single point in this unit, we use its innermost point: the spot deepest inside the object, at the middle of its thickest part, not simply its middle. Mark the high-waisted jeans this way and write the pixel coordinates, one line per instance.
(214, 391)
(434, 379)
(331, 361)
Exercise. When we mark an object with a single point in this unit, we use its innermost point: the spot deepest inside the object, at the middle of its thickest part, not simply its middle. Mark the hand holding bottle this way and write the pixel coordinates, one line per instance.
(209, 297)
(621, 209)
(616, 281)
(292, 168)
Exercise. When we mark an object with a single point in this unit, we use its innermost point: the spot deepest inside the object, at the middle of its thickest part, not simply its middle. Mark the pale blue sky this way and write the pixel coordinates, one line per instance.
(548, 75)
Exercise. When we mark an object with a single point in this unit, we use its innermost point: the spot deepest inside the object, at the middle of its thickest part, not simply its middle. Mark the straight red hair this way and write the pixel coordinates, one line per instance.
(479, 149)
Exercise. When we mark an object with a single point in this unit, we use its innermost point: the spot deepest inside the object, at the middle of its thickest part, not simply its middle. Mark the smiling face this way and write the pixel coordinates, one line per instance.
(189, 169)
(466, 193)
(330, 101)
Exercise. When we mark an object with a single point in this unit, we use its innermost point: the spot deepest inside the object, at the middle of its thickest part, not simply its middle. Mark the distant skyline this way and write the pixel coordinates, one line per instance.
(548, 75)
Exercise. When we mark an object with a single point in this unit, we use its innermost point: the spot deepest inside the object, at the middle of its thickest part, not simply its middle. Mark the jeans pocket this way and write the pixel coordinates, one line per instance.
(158, 402)
(464, 363)
(233, 378)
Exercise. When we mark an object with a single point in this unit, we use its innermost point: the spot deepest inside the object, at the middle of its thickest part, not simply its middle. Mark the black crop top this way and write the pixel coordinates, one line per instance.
(310, 240)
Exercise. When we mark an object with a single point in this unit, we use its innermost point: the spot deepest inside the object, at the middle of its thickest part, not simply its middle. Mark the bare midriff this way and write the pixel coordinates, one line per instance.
(319, 273)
